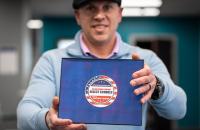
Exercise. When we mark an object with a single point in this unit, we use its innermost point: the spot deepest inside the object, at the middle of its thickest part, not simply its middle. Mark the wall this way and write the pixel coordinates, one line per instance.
(13, 33)
(185, 29)
(199, 69)
(10, 36)
(57, 28)
(26, 46)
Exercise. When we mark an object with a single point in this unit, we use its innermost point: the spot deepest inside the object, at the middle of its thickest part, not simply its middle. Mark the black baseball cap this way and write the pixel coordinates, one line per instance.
(78, 3)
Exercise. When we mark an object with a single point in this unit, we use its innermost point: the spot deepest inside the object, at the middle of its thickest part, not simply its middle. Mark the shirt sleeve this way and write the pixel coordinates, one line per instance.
(172, 104)
(37, 100)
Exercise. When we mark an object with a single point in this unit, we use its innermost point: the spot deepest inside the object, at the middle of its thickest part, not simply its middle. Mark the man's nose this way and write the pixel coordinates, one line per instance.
(99, 14)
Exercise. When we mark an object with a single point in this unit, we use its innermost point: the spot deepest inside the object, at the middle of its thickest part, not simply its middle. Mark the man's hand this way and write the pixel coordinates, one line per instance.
(145, 79)
(55, 123)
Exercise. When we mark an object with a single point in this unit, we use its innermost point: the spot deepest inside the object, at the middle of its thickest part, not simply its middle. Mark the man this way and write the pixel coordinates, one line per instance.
(98, 38)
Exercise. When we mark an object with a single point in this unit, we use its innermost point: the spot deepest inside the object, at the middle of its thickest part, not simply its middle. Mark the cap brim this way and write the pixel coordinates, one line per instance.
(82, 3)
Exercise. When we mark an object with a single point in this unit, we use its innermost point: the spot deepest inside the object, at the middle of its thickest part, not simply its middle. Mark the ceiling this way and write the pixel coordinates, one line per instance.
(57, 8)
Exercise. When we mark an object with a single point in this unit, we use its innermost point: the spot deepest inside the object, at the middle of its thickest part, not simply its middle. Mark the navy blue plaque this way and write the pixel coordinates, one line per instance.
(96, 91)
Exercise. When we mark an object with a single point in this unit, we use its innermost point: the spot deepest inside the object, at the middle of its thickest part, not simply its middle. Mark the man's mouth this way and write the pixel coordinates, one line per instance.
(100, 27)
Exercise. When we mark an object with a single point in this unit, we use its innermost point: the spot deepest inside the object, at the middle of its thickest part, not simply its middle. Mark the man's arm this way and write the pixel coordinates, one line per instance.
(37, 100)
(36, 111)
(173, 103)
(172, 95)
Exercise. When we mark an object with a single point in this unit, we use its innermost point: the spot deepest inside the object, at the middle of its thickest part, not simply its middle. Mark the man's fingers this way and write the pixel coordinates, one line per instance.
(143, 77)
(143, 72)
(77, 127)
(135, 56)
(61, 122)
(141, 80)
(146, 97)
(142, 89)
(52, 118)
(55, 103)
(54, 121)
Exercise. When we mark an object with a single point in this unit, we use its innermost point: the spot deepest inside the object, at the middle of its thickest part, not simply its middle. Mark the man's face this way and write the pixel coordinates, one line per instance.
(99, 20)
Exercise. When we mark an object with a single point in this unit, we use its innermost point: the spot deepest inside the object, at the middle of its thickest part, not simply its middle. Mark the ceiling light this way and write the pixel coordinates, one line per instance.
(35, 24)
(131, 12)
(141, 3)
(151, 12)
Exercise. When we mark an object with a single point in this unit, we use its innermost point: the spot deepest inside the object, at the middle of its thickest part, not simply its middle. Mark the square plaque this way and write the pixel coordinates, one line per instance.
(96, 91)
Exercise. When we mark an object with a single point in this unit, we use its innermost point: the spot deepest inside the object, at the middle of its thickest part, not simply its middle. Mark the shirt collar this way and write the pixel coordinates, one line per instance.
(74, 50)
(87, 52)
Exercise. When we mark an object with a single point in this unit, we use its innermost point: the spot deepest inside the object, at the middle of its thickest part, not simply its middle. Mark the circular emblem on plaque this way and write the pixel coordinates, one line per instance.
(101, 91)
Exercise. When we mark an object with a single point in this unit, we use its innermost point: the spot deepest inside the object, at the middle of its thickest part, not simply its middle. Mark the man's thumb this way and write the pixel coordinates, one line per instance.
(135, 56)
(55, 102)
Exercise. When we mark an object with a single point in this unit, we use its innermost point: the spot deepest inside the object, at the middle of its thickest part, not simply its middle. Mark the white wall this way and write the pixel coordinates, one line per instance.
(13, 34)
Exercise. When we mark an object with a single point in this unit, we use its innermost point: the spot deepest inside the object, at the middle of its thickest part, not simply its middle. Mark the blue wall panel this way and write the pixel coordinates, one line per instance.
(55, 29)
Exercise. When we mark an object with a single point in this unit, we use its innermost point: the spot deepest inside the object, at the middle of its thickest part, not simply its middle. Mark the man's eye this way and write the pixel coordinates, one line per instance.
(90, 8)
(107, 7)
